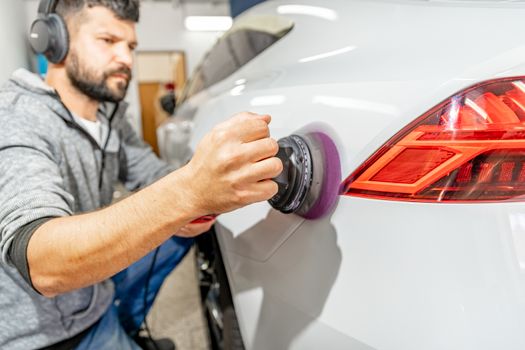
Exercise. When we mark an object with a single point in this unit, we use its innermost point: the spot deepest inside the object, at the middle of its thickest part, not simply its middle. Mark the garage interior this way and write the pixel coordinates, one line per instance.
(383, 208)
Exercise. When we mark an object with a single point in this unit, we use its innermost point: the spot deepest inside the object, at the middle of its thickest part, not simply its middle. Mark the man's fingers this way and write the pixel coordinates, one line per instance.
(252, 129)
(263, 190)
(244, 127)
(249, 126)
(264, 169)
(260, 149)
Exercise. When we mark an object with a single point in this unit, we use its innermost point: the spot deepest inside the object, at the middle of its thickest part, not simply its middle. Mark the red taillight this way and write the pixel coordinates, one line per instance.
(470, 147)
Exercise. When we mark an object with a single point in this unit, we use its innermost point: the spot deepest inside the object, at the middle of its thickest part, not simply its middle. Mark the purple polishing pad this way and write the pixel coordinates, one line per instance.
(330, 166)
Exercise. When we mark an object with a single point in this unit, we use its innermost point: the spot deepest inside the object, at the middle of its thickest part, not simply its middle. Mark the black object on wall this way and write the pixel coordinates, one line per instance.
(239, 6)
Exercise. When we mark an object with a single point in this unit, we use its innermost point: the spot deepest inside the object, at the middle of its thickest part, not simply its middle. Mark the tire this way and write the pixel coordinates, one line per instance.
(228, 335)
(232, 337)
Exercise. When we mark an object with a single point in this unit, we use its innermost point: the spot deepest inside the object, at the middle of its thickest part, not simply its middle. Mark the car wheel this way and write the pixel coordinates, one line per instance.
(216, 296)
(232, 332)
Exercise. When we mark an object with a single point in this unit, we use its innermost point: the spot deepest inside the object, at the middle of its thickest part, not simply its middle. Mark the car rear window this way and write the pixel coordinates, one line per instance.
(245, 40)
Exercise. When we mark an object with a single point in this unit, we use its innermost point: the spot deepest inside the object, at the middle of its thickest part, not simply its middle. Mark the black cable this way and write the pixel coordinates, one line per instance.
(103, 148)
(146, 287)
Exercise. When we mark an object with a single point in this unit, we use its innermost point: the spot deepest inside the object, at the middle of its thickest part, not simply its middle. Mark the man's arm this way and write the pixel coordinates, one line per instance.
(73, 252)
(231, 168)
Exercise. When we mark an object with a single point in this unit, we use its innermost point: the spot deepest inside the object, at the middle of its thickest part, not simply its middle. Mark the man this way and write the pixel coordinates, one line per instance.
(72, 274)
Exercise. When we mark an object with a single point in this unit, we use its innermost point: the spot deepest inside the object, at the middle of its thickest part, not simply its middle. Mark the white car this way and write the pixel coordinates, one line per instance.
(424, 248)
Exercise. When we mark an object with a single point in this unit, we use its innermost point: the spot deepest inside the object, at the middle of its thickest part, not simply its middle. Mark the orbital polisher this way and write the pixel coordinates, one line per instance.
(311, 176)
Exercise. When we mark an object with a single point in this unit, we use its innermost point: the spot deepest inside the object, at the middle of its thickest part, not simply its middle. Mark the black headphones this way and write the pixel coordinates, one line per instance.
(49, 34)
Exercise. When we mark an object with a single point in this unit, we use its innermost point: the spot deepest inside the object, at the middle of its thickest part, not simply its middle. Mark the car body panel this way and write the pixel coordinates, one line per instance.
(373, 274)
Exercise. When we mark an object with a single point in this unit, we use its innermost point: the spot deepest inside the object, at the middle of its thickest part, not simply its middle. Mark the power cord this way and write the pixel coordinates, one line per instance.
(146, 290)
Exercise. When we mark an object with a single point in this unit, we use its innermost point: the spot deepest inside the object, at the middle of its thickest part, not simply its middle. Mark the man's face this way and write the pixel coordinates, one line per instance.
(100, 57)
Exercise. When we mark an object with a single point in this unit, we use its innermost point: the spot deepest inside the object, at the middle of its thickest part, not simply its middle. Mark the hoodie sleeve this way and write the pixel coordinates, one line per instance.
(31, 186)
(140, 166)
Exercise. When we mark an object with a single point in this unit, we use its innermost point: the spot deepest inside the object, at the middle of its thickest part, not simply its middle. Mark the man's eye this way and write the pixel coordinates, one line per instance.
(107, 40)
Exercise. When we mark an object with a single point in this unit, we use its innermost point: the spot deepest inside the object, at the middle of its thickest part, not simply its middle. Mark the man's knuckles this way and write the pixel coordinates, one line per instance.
(253, 129)
(220, 135)
(250, 116)
(231, 159)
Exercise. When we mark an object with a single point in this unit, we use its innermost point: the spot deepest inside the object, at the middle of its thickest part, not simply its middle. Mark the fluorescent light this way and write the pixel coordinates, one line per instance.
(315, 11)
(327, 54)
(208, 23)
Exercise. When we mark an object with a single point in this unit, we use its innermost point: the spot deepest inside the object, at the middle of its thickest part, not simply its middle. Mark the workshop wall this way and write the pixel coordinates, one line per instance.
(161, 28)
(12, 38)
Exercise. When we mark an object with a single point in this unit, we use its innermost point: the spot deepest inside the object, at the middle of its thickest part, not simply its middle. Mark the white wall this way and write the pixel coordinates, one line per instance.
(12, 38)
(161, 27)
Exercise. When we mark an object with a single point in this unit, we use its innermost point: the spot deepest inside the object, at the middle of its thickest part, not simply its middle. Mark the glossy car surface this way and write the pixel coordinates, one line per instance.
(375, 273)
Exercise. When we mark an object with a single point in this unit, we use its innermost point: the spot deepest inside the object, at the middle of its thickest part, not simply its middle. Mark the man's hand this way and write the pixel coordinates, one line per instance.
(192, 230)
(233, 165)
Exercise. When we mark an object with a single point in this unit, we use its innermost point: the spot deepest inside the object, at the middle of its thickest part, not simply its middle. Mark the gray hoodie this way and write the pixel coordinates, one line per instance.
(51, 167)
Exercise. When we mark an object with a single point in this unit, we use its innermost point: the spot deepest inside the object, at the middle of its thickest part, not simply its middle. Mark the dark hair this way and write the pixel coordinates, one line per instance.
(123, 9)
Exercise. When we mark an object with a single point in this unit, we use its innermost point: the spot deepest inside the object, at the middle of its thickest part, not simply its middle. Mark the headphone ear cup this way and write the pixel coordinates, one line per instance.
(58, 38)
(40, 36)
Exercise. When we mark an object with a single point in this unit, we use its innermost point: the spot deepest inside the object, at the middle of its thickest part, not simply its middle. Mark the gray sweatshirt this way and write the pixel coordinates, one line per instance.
(51, 167)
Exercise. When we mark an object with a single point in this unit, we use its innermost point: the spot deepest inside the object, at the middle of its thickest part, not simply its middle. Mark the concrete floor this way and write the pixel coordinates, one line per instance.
(177, 312)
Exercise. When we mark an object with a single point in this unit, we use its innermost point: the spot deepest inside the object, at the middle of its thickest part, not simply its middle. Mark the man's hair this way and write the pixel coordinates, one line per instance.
(123, 9)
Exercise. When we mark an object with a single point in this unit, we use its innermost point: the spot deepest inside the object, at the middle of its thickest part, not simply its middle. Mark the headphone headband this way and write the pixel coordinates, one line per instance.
(47, 6)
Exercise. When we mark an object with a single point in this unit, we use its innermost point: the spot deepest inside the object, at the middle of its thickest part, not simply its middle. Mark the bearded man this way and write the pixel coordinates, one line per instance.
(74, 267)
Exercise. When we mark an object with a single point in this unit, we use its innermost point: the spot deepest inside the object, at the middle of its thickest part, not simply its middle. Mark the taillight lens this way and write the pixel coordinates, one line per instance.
(471, 147)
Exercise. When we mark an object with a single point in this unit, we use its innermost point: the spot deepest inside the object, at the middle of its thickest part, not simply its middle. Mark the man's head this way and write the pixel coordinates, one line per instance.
(101, 43)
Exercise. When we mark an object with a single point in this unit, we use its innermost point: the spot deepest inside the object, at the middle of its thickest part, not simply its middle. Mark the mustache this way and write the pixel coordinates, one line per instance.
(122, 70)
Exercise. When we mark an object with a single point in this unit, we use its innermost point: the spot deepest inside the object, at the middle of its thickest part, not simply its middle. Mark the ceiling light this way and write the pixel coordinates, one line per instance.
(208, 23)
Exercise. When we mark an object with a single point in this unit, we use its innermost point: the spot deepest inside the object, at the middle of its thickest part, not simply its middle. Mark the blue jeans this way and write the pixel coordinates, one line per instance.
(124, 318)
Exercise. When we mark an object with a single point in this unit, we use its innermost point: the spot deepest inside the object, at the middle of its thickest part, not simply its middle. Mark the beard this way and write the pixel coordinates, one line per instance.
(95, 84)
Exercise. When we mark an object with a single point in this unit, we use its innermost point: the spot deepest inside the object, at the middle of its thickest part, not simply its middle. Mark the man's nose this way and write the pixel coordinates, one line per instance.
(124, 55)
